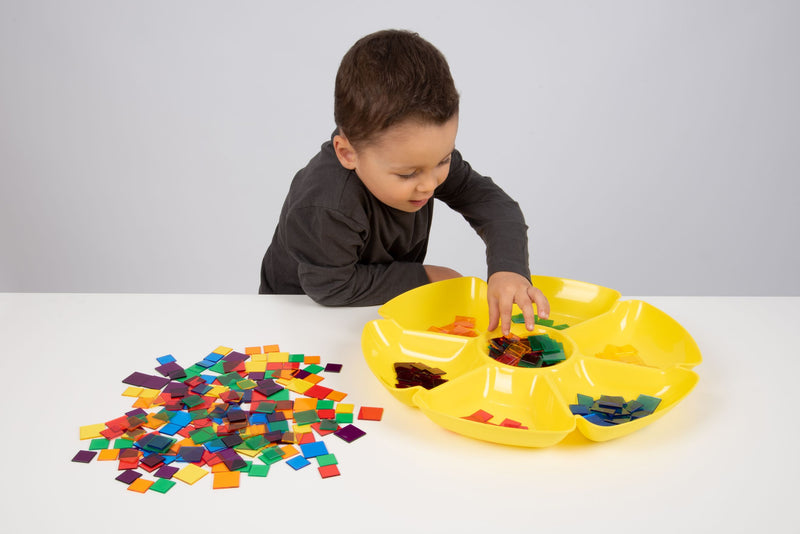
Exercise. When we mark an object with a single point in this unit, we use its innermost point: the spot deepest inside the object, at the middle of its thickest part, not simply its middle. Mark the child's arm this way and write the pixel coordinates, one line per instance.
(499, 222)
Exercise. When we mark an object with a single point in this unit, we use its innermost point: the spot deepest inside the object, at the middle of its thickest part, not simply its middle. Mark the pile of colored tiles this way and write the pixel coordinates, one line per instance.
(482, 416)
(611, 410)
(410, 374)
(534, 351)
(210, 417)
(624, 354)
(520, 319)
(461, 326)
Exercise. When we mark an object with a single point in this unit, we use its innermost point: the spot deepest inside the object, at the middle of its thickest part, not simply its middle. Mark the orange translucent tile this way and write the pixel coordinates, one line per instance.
(219, 468)
(271, 348)
(289, 451)
(311, 359)
(336, 396)
(108, 454)
(303, 404)
(228, 479)
(140, 485)
(252, 350)
(314, 379)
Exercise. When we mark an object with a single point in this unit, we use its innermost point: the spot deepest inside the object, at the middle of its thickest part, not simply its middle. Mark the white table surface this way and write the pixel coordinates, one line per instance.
(724, 459)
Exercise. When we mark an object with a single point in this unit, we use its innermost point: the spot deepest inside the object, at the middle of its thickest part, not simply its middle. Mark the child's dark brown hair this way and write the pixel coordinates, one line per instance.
(388, 77)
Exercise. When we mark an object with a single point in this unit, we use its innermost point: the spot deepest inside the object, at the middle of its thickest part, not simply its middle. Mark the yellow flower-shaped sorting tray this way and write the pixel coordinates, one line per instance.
(538, 398)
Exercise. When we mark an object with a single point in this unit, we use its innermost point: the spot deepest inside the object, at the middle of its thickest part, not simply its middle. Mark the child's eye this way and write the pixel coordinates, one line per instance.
(445, 161)
(408, 176)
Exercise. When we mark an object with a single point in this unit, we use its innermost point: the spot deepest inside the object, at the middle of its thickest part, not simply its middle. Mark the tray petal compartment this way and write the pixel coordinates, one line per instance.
(572, 301)
(505, 392)
(593, 377)
(660, 341)
(385, 343)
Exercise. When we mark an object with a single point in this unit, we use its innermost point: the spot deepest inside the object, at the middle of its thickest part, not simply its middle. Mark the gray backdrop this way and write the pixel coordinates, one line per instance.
(146, 146)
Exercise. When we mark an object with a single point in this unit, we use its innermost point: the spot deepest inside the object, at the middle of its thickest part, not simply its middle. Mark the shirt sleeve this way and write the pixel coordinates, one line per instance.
(494, 215)
(327, 245)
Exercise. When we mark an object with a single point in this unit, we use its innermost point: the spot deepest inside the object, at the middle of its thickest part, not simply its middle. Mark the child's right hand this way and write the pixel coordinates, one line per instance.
(437, 274)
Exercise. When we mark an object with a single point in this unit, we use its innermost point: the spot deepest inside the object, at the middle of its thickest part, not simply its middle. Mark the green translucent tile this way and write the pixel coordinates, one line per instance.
(544, 322)
(193, 400)
(217, 368)
(164, 415)
(271, 456)
(307, 417)
(122, 443)
(313, 368)
(325, 404)
(283, 426)
(265, 407)
(327, 459)
(648, 403)
(297, 358)
(328, 424)
(256, 442)
(585, 400)
(203, 435)
(198, 414)
(554, 357)
(229, 379)
(194, 370)
(518, 318)
(280, 395)
(162, 485)
(98, 444)
(258, 470)
(561, 326)
(248, 464)
(344, 418)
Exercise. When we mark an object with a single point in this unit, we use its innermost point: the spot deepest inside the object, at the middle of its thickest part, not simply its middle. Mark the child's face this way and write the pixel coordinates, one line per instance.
(405, 165)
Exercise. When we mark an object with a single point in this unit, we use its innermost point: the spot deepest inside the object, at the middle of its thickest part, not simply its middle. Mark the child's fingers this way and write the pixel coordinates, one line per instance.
(494, 313)
(542, 304)
(505, 304)
(525, 304)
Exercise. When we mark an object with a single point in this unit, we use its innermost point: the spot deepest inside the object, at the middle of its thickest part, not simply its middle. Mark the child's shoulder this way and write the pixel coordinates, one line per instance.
(324, 184)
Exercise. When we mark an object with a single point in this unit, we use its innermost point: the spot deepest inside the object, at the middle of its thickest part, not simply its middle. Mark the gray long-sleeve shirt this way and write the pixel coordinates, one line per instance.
(341, 246)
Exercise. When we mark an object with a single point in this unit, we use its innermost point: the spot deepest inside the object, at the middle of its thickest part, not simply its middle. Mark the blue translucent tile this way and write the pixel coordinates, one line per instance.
(297, 462)
(166, 359)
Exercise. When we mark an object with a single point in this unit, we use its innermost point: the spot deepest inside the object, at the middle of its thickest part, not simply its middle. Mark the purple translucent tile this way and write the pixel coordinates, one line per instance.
(256, 376)
(152, 460)
(155, 382)
(84, 457)
(333, 368)
(236, 357)
(136, 413)
(166, 472)
(136, 379)
(169, 368)
(128, 476)
(176, 389)
(268, 387)
(191, 454)
(301, 374)
(349, 433)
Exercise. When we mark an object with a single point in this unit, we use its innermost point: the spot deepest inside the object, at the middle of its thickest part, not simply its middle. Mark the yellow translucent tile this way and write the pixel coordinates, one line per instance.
(258, 358)
(254, 430)
(92, 431)
(151, 393)
(249, 452)
(132, 391)
(223, 350)
(301, 429)
(108, 454)
(278, 357)
(215, 391)
(283, 381)
(256, 367)
(344, 408)
(190, 474)
(298, 386)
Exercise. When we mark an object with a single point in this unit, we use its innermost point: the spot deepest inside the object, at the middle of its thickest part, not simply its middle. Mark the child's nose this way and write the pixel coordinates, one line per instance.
(427, 182)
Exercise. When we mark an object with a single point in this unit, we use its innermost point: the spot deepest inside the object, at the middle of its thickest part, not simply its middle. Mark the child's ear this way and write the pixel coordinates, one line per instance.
(345, 152)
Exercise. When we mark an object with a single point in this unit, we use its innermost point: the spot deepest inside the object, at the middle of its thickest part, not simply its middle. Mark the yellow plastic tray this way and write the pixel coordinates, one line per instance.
(537, 398)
